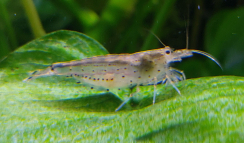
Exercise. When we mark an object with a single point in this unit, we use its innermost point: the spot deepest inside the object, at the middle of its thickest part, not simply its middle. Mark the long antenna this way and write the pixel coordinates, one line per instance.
(187, 29)
(156, 37)
(187, 37)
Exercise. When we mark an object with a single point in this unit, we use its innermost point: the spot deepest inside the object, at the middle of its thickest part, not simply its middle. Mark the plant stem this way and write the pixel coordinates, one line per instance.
(33, 18)
(7, 27)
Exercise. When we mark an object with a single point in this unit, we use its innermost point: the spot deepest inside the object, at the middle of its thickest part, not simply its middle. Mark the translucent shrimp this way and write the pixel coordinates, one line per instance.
(125, 70)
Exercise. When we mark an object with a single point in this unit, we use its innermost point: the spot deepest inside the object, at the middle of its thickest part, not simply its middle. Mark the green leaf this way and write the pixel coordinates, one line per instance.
(53, 109)
(55, 47)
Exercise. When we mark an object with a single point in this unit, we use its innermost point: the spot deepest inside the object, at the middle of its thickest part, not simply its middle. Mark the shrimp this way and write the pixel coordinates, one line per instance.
(125, 70)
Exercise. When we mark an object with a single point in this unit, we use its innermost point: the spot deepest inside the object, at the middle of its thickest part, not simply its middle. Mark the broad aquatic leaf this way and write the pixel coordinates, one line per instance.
(52, 109)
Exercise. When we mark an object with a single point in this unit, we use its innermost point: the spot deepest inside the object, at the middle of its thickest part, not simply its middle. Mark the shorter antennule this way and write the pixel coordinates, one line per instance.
(156, 37)
(207, 55)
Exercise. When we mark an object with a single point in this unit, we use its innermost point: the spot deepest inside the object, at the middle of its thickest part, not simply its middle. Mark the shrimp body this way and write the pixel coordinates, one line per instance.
(124, 70)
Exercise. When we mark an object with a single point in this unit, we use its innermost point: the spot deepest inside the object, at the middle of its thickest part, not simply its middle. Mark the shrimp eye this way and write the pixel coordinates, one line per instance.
(167, 52)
